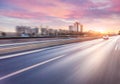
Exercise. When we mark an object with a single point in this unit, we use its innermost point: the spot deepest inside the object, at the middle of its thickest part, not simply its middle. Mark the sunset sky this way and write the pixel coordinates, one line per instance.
(98, 15)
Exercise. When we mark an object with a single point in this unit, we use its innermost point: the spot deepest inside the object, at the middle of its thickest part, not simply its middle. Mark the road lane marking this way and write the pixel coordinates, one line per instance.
(30, 67)
(27, 52)
(19, 54)
(23, 43)
(33, 42)
(34, 51)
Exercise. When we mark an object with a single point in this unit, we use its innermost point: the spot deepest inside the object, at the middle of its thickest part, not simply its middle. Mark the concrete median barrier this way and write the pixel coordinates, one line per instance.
(20, 48)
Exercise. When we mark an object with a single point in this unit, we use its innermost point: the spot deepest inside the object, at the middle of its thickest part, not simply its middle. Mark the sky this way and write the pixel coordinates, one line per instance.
(97, 15)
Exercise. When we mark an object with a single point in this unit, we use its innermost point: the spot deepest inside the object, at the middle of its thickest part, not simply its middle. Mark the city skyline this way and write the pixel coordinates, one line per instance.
(100, 15)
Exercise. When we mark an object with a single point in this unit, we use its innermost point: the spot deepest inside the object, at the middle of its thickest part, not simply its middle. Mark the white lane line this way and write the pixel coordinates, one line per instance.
(23, 43)
(34, 51)
(33, 42)
(2, 45)
(19, 54)
(30, 67)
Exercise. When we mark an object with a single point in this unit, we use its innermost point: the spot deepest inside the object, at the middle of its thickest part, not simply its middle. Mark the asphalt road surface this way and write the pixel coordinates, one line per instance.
(25, 43)
(89, 62)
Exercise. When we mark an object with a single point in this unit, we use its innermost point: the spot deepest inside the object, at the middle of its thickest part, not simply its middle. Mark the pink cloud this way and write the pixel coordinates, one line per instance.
(116, 6)
(60, 8)
(56, 9)
(20, 14)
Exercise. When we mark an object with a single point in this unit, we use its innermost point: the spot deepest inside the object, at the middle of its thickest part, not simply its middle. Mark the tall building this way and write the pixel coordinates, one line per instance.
(81, 28)
(78, 27)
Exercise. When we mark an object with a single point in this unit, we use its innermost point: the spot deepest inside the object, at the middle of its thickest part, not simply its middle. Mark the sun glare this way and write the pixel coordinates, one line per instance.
(101, 30)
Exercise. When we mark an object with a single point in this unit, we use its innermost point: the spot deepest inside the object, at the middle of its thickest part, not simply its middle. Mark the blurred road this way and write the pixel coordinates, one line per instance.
(89, 62)
(25, 43)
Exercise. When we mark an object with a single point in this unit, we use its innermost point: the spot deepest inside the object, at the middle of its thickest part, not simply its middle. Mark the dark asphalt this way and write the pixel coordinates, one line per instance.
(90, 62)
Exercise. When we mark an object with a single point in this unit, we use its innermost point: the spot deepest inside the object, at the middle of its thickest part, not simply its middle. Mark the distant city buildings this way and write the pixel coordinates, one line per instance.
(49, 32)
(44, 31)
(76, 27)
(25, 31)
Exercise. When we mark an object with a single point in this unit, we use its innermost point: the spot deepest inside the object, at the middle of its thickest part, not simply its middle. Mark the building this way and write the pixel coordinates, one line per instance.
(26, 31)
(34, 31)
(23, 30)
(81, 28)
(77, 27)
(44, 31)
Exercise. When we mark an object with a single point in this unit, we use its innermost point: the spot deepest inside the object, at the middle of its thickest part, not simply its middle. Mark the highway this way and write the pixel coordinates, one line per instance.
(24, 43)
(90, 62)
